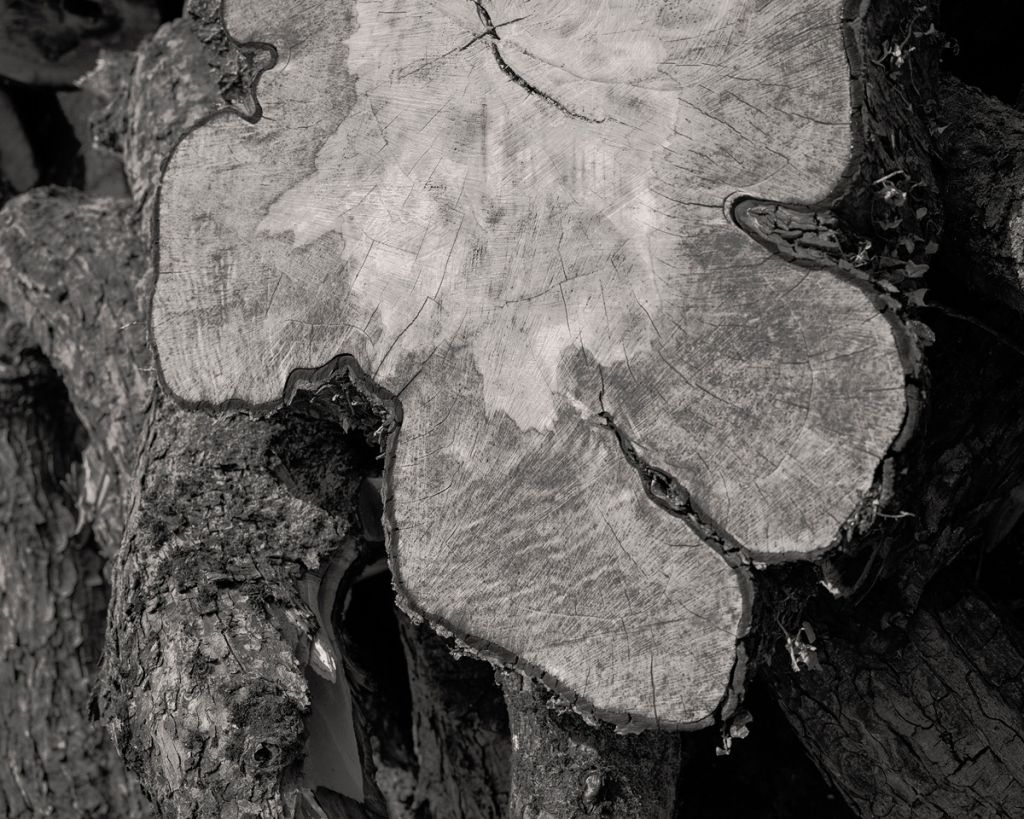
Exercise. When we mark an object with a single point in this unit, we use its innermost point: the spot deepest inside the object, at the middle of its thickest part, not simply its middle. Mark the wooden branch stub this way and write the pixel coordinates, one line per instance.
(514, 219)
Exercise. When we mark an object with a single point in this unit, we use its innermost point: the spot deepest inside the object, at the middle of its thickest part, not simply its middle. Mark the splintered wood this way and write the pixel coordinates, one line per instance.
(514, 218)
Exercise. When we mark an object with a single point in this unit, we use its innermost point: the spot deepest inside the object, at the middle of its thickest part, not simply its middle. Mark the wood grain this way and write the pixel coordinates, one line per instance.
(513, 217)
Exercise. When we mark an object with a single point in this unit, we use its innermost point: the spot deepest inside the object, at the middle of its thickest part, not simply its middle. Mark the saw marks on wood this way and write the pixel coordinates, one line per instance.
(513, 216)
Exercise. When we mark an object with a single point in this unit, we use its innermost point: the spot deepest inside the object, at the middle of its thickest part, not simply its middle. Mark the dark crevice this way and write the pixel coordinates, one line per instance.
(666, 492)
(170, 9)
(56, 150)
(985, 45)
(490, 30)
(518, 79)
(767, 774)
(404, 683)
(320, 450)
(377, 669)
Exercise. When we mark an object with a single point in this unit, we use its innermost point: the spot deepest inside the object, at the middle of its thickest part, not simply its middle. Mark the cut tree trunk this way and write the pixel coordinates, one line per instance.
(481, 235)
(900, 717)
(605, 401)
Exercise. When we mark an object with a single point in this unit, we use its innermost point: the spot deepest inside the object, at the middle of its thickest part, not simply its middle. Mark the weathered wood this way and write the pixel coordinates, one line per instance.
(926, 723)
(527, 248)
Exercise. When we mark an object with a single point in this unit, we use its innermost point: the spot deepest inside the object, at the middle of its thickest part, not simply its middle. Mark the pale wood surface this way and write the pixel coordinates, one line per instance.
(514, 217)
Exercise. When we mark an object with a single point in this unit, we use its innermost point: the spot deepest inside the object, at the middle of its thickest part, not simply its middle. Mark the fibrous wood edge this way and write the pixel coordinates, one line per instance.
(260, 394)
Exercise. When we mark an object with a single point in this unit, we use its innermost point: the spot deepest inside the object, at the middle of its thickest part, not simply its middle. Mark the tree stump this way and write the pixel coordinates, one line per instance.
(512, 223)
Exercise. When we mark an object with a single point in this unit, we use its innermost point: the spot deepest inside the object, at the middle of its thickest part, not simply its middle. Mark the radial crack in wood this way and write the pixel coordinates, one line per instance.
(515, 217)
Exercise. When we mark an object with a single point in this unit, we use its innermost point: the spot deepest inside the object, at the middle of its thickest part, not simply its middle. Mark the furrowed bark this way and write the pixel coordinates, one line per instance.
(72, 274)
(56, 760)
(924, 724)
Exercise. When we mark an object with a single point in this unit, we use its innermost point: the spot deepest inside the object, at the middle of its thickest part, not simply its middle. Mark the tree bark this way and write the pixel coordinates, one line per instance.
(460, 729)
(925, 723)
(57, 761)
(564, 768)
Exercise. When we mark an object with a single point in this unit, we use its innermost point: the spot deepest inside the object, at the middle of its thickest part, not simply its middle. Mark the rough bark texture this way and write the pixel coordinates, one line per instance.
(55, 760)
(897, 717)
(924, 724)
(72, 274)
(208, 610)
(460, 730)
(564, 768)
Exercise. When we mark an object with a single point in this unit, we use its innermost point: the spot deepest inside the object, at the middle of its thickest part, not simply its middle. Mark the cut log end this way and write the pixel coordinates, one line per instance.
(608, 400)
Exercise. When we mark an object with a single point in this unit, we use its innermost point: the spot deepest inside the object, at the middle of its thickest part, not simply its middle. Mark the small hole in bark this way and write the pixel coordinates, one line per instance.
(263, 755)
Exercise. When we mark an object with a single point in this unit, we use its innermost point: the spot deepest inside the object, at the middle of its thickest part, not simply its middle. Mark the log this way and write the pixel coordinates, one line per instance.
(917, 724)
(72, 267)
(244, 705)
(225, 579)
(605, 401)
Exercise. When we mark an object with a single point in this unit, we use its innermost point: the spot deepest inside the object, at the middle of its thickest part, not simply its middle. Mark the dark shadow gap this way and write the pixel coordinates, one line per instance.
(985, 49)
